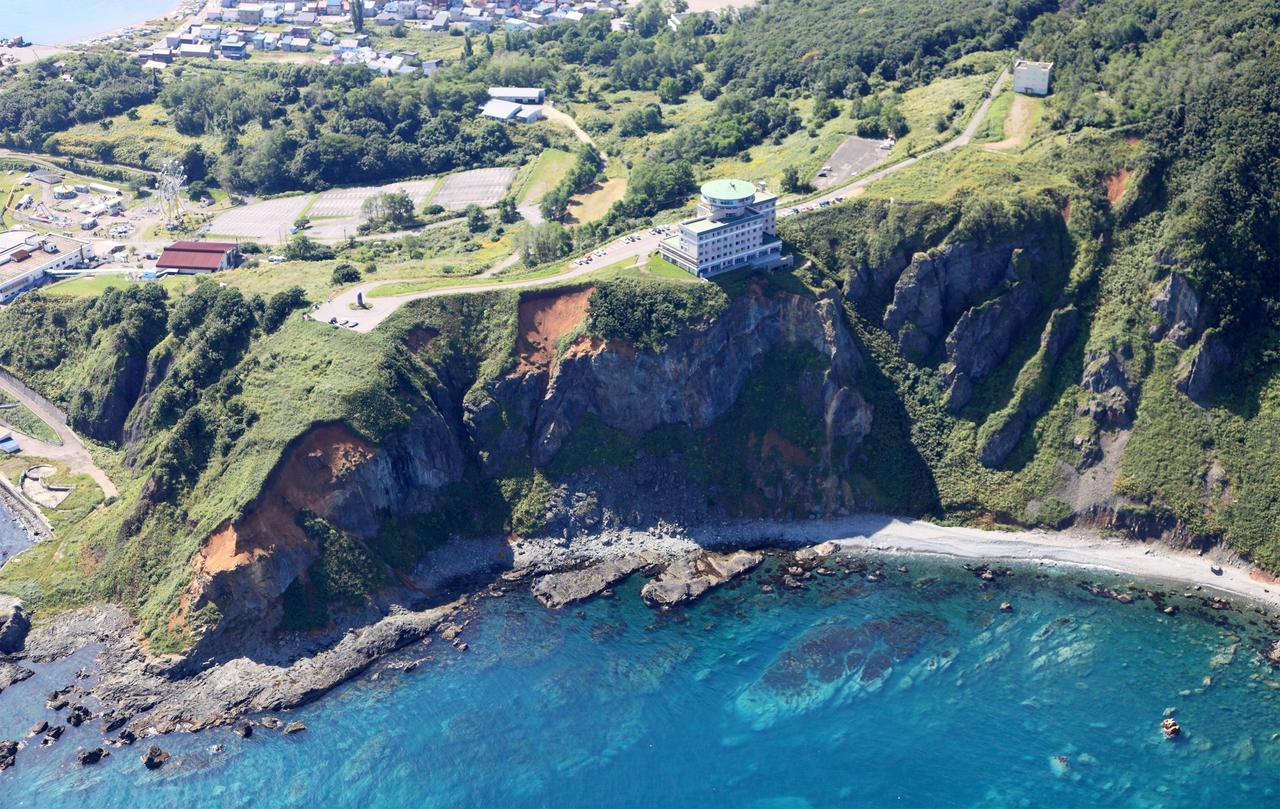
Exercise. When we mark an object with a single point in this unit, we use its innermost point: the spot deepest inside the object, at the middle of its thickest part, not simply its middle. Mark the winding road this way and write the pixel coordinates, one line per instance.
(343, 305)
(71, 451)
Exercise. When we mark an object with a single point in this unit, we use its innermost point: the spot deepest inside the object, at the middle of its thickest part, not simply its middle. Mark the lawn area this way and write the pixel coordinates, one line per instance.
(992, 128)
(542, 176)
(93, 285)
(599, 197)
(923, 105)
(974, 170)
(19, 417)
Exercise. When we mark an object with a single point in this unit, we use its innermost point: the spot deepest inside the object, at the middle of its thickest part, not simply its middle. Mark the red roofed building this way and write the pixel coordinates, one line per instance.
(193, 257)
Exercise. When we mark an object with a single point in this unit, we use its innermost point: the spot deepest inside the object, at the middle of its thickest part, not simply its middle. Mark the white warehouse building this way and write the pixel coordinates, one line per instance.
(26, 259)
(737, 228)
(1032, 78)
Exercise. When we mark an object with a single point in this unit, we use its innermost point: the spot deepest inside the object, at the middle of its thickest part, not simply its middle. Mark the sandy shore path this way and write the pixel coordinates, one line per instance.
(1149, 561)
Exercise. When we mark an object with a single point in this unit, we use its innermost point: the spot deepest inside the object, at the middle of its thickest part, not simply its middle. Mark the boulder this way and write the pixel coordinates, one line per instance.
(11, 674)
(154, 758)
(689, 577)
(1200, 368)
(87, 758)
(14, 625)
(819, 551)
(8, 753)
(292, 728)
(1178, 308)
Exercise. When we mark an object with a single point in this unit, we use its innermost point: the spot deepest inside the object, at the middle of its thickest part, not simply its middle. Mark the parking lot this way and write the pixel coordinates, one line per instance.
(483, 187)
(336, 214)
(850, 159)
(267, 221)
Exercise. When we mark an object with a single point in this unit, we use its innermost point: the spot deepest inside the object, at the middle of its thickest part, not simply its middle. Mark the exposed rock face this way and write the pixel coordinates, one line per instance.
(1107, 375)
(1201, 366)
(938, 286)
(687, 578)
(1004, 430)
(1179, 310)
(246, 566)
(14, 624)
(559, 589)
(980, 340)
(699, 375)
(12, 674)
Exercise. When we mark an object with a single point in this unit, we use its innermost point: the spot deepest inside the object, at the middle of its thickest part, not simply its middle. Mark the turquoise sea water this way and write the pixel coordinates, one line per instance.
(915, 691)
(55, 22)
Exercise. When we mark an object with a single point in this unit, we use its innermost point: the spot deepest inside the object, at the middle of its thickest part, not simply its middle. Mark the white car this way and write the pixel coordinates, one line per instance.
(276, 259)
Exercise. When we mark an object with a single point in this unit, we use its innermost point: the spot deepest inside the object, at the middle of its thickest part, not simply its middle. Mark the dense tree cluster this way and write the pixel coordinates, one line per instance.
(41, 103)
(831, 47)
(650, 314)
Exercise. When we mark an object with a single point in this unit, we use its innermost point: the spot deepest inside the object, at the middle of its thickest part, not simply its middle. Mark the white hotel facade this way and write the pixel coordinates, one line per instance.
(737, 228)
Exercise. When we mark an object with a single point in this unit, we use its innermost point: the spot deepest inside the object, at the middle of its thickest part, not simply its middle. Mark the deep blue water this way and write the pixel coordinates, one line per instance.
(55, 22)
(916, 691)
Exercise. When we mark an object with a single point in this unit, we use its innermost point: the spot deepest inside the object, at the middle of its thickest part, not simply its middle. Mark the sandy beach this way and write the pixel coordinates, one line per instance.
(1085, 549)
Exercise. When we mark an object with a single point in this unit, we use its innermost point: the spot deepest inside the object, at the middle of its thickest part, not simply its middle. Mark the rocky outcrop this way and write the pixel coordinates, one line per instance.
(699, 375)
(14, 625)
(980, 340)
(1003, 430)
(246, 566)
(689, 577)
(154, 758)
(1109, 379)
(1202, 365)
(11, 674)
(556, 590)
(1178, 308)
(8, 753)
(938, 286)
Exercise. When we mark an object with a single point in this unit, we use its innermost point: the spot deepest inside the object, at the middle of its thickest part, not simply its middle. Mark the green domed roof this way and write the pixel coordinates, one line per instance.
(729, 190)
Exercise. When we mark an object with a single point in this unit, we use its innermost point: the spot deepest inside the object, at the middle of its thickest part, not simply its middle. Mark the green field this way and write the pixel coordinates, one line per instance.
(21, 418)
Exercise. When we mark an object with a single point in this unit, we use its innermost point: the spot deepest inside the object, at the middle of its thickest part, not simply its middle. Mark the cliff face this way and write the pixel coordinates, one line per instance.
(515, 427)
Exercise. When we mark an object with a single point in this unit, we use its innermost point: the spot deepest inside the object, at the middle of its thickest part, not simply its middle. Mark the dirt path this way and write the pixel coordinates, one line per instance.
(564, 119)
(1018, 124)
(72, 451)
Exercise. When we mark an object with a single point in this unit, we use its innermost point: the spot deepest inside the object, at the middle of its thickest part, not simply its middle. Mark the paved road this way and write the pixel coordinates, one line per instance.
(342, 305)
(72, 451)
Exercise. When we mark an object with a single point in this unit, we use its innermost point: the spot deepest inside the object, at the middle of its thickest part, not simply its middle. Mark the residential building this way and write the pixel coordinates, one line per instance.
(1032, 78)
(519, 95)
(199, 257)
(27, 258)
(737, 228)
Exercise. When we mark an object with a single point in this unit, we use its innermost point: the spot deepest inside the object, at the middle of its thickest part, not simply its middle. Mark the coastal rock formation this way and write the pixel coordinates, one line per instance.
(14, 625)
(154, 758)
(12, 674)
(1108, 376)
(698, 376)
(8, 753)
(1200, 368)
(556, 590)
(1178, 308)
(1003, 430)
(981, 338)
(940, 285)
(689, 577)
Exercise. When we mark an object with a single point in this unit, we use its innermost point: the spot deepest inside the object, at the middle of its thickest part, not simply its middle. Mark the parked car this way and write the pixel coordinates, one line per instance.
(275, 259)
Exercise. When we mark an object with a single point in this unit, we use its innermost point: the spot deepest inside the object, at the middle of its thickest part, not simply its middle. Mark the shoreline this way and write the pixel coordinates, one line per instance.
(269, 674)
(1080, 549)
(177, 12)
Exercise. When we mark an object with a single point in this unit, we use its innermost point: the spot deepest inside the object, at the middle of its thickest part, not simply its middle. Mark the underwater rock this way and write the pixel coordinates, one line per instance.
(154, 758)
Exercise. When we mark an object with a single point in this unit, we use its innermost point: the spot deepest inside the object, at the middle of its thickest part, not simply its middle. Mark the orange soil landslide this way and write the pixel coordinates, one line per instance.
(543, 319)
